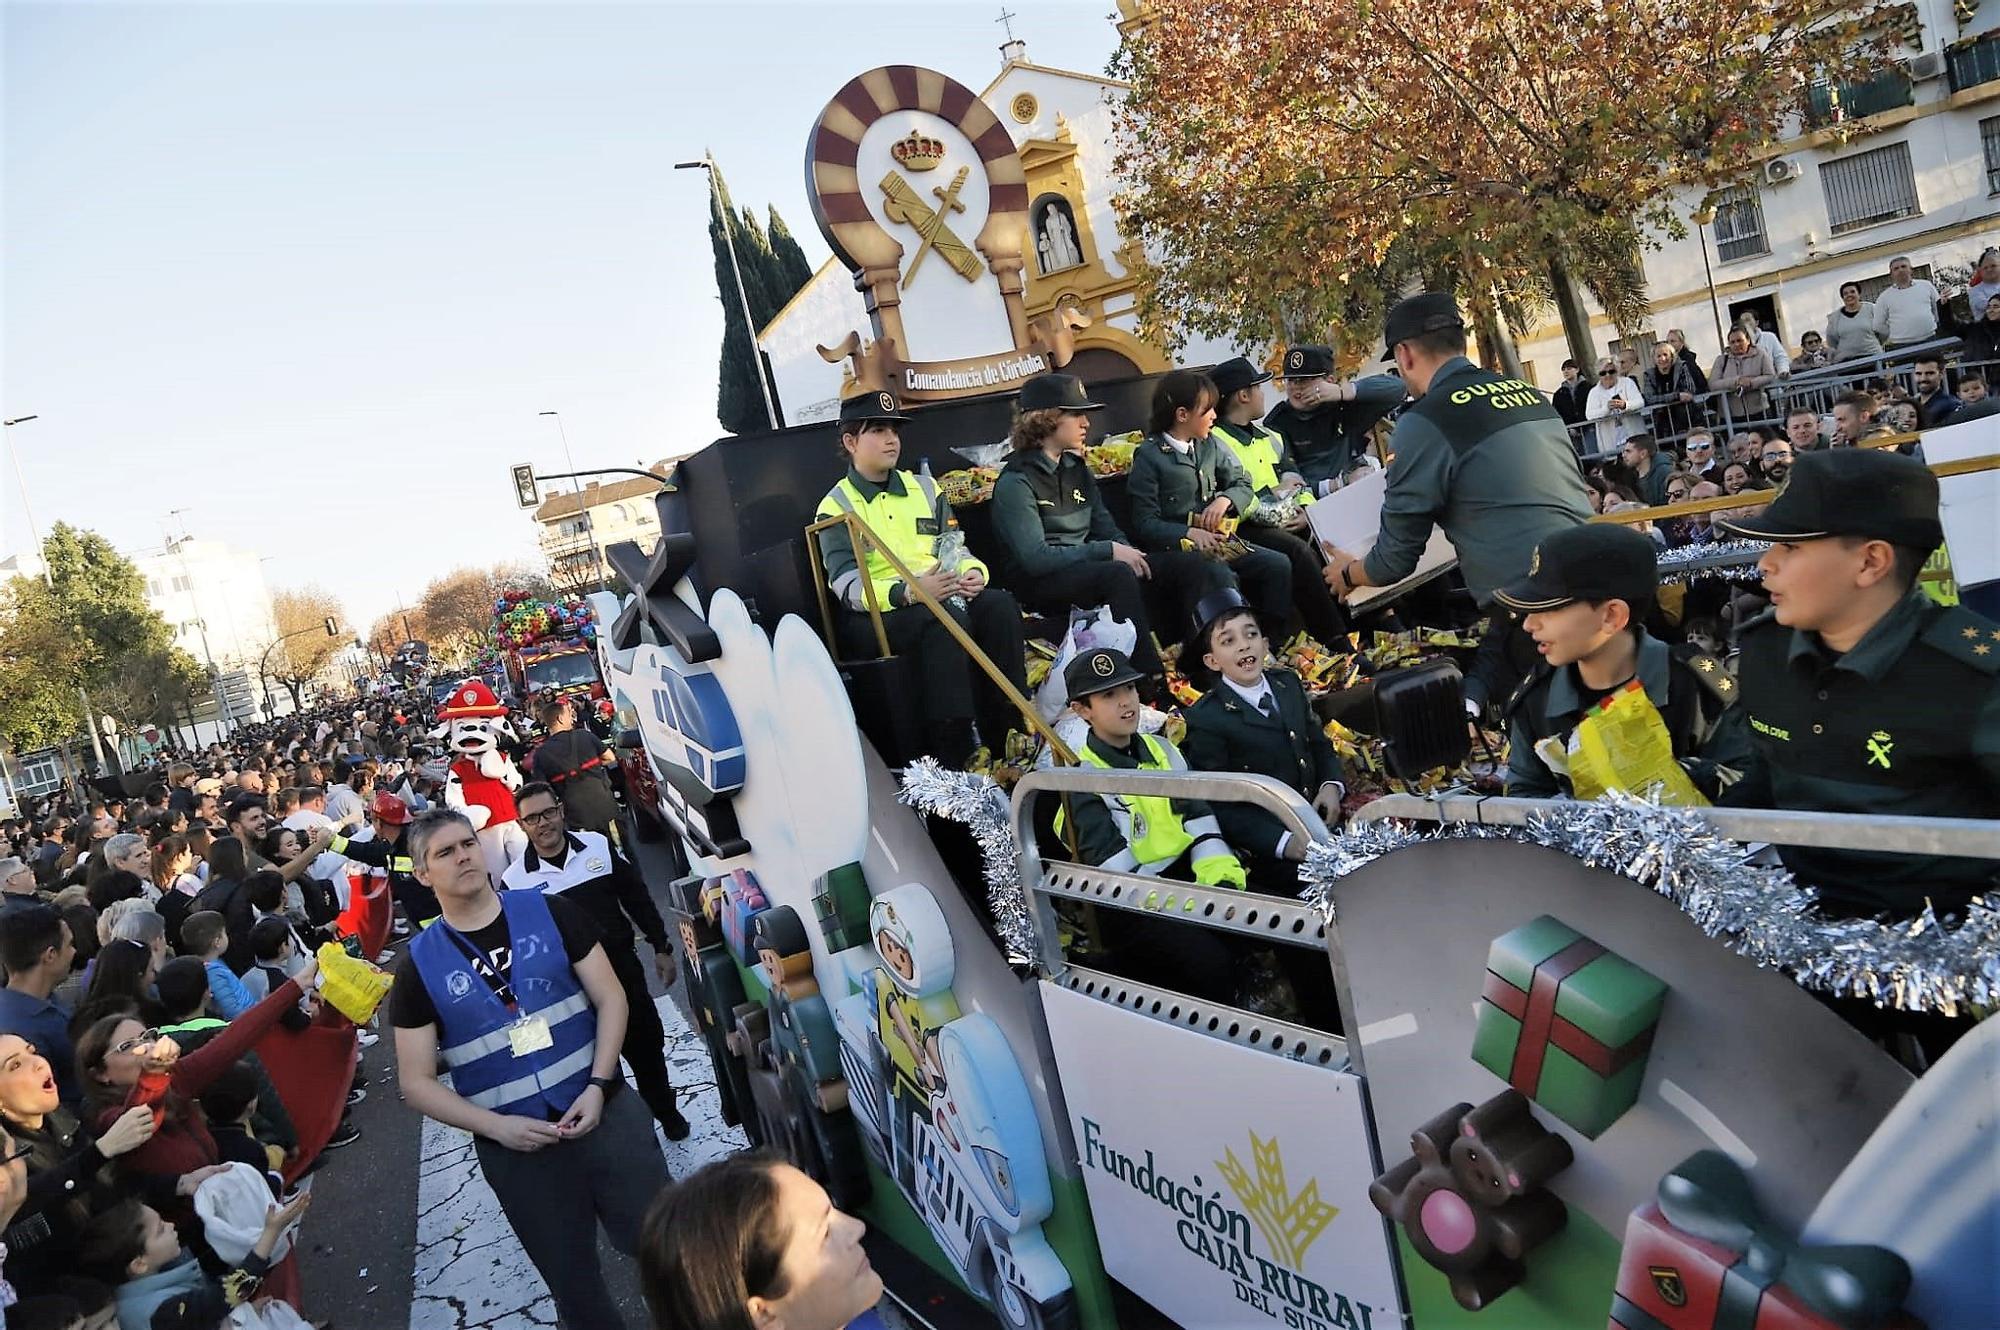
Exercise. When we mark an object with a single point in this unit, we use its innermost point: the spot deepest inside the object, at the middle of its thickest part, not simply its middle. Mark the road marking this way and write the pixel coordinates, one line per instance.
(470, 1272)
(1705, 1121)
(1389, 1027)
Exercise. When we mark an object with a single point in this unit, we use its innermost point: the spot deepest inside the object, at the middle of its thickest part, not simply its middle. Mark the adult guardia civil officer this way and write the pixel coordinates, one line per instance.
(1484, 457)
(514, 992)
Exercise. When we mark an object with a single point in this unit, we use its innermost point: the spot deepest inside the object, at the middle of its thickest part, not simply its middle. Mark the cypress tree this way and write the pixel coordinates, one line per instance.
(792, 265)
(774, 268)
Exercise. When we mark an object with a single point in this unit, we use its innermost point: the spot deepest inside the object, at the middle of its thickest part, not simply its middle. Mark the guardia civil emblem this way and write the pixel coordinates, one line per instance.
(887, 403)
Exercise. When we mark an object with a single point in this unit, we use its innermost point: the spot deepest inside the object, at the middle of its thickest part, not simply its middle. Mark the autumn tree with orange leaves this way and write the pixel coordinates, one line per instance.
(1294, 168)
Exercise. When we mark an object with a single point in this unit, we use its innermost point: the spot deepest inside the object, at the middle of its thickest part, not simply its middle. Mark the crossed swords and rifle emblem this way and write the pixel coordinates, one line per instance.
(902, 204)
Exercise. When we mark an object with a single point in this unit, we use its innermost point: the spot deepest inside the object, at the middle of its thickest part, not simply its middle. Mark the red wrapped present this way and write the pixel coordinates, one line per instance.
(1702, 1258)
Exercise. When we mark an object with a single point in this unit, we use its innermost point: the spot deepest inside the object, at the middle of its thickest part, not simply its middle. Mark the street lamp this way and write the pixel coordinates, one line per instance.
(1701, 219)
(21, 483)
(582, 509)
(707, 163)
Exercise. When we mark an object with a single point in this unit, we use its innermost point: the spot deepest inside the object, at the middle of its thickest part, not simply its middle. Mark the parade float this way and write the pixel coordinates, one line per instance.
(1586, 1078)
(545, 647)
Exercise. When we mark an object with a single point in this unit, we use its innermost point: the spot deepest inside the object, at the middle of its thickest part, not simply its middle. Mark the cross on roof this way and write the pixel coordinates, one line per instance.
(1006, 20)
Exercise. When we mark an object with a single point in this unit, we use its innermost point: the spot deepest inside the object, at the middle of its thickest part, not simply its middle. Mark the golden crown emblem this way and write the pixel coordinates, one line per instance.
(918, 151)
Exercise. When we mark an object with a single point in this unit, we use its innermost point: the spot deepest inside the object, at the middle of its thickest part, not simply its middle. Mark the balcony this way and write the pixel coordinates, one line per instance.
(1969, 64)
(1833, 104)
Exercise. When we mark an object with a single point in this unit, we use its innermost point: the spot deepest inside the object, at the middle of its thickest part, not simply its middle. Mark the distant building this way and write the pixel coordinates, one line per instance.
(1905, 164)
(211, 595)
(579, 525)
(215, 600)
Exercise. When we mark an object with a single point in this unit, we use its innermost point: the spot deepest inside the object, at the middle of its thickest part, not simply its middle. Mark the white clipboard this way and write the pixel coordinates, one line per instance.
(1350, 519)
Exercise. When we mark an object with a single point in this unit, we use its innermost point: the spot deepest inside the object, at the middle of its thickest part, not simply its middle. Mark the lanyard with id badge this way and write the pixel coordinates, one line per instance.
(529, 1032)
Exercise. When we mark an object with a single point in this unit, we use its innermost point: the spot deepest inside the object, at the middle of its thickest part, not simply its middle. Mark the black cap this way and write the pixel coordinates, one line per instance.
(1307, 362)
(200, 1308)
(1098, 671)
(1223, 600)
(872, 406)
(1056, 392)
(1865, 492)
(1233, 376)
(1432, 311)
(1595, 561)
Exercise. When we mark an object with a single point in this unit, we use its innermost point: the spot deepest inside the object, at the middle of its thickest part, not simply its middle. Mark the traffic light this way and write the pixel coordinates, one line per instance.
(526, 492)
(332, 628)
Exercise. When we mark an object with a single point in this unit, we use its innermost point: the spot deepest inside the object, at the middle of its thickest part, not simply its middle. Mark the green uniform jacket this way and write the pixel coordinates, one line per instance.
(1690, 690)
(1225, 733)
(1097, 836)
(1907, 724)
(1328, 440)
(1487, 459)
(1167, 487)
(1049, 515)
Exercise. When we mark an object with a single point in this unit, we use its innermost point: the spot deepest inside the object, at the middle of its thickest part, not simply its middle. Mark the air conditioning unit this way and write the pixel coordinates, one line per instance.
(1780, 169)
(1927, 66)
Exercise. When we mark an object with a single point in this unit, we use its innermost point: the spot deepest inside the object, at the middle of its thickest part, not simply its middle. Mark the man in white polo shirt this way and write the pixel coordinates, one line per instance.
(583, 868)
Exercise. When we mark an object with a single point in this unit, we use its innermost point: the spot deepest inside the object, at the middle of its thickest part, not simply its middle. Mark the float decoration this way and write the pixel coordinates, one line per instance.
(1471, 1198)
(1691, 563)
(1567, 1022)
(1755, 911)
(976, 803)
(1702, 1257)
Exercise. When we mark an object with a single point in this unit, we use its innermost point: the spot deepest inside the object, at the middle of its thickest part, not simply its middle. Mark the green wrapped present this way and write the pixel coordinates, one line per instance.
(1566, 1022)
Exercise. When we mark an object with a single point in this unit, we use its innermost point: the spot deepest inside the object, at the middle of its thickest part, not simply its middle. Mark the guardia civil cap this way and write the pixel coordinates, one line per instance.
(1596, 561)
(1429, 312)
(876, 405)
(1871, 493)
(1307, 362)
(1098, 671)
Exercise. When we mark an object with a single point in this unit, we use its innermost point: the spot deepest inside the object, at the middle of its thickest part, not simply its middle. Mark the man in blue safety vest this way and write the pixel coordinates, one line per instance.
(514, 992)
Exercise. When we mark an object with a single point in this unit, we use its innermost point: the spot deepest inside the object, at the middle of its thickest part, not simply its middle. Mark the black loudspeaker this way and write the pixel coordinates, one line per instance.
(884, 694)
(1421, 713)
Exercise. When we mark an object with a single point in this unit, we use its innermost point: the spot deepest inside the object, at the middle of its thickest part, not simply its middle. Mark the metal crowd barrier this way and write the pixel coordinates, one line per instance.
(1815, 388)
(1272, 919)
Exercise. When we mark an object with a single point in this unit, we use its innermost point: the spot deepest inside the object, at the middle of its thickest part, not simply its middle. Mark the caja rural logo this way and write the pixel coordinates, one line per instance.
(1289, 1222)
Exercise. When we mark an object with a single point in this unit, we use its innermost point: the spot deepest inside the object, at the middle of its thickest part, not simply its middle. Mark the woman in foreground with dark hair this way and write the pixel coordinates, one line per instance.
(751, 1243)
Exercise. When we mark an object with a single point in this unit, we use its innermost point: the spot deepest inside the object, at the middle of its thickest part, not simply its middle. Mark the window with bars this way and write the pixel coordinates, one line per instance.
(1739, 224)
(1989, 135)
(1869, 187)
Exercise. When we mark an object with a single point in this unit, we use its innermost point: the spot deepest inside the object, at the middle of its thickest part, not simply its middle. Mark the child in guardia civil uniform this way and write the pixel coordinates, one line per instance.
(1148, 835)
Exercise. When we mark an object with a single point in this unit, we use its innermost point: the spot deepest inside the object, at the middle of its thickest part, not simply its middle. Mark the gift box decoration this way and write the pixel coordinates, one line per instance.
(1566, 1022)
(1702, 1258)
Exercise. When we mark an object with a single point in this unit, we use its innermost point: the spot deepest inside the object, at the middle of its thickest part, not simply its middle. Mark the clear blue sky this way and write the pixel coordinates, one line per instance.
(310, 271)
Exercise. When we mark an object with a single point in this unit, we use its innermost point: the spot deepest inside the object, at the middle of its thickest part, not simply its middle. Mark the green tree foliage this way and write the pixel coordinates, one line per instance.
(41, 664)
(1291, 168)
(91, 628)
(774, 268)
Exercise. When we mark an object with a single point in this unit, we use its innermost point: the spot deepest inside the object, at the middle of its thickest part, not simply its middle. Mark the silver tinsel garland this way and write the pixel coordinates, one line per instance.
(1733, 560)
(1756, 911)
(981, 807)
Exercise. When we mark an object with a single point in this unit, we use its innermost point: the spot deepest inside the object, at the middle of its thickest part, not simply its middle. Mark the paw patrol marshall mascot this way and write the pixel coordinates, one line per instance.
(482, 780)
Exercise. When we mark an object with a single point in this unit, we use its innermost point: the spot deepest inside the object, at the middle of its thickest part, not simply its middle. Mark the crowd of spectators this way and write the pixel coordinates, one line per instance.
(1756, 378)
(153, 946)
